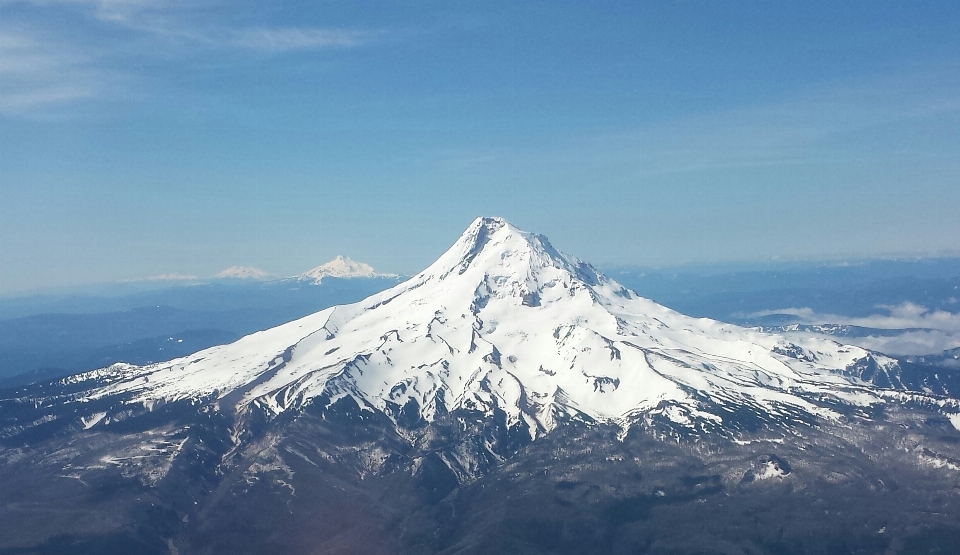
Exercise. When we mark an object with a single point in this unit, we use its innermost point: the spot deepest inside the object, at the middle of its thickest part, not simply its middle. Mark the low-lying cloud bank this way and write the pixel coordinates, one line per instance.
(908, 343)
(939, 330)
(901, 316)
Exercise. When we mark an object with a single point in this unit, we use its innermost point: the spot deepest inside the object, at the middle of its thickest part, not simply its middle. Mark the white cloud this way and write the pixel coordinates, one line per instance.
(36, 74)
(906, 315)
(105, 10)
(280, 39)
(174, 18)
(940, 330)
(909, 343)
(906, 343)
(120, 10)
(783, 131)
(39, 73)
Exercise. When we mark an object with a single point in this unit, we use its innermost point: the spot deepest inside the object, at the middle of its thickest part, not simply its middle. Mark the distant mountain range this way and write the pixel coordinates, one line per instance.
(340, 267)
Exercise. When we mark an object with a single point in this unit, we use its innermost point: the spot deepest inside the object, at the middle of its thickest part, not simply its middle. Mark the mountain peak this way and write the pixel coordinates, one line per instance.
(490, 223)
(499, 252)
(242, 272)
(339, 267)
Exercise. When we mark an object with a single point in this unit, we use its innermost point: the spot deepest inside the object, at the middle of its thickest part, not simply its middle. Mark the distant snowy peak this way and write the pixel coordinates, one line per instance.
(171, 277)
(242, 272)
(339, 267)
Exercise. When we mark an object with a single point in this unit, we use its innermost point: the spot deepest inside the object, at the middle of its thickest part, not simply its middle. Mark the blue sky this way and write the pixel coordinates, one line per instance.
(144, 137)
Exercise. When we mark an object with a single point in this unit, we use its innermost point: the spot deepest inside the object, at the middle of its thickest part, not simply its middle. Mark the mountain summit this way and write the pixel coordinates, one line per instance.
(243, 272)
(507, 399)
(339, 267)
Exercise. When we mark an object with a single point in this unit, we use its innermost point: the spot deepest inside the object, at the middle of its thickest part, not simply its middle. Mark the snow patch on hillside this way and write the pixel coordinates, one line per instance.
(955, 420)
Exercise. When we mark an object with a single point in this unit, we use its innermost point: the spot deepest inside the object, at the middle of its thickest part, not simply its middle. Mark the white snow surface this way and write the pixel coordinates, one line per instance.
(504, 321)
(339, 267)
(242, 272)
(769, 470)
(955, 420)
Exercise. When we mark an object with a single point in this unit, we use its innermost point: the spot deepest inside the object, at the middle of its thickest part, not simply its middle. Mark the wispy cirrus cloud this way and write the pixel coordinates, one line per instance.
(283, 39)
(37, 73)
(107, 10)
(801, 127)
(180, 19)
(44, 67)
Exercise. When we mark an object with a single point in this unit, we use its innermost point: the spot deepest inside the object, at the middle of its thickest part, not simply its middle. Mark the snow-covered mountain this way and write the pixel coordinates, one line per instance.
(242, 272)
(503, 321)
(340, 267)
(507, 399)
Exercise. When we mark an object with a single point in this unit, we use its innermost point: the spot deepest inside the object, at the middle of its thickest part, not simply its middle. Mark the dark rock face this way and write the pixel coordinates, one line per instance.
(345, 479)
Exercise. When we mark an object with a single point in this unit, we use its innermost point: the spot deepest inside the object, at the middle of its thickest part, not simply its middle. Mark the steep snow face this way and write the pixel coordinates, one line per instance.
(339, 267)
(502, 321)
